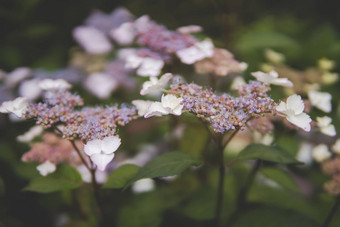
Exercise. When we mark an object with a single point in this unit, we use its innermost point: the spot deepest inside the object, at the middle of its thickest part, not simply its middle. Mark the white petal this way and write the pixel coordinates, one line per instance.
(189, 29)
(31, 134)
(196, 52)
(282, 107)
(321, 100)
(142, 106)
(133, 61)
(328, 130)
(321, 153)
(93, 147)
(295, 103)
(272, 78)
(18, 106)
(154, 84)
(156, 109)
(301, 120)
(110, 144)
(102, 160)
(170, 101)
(46, 168)
(17, 75)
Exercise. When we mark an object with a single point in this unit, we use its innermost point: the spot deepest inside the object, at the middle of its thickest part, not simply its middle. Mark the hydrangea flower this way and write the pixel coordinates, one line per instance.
(50, 84)
(293, 111)
(325, 125)
(18, 106)
(272, 78)
(169, 104)
(321, 100)
(321, 153)
(92, 40)
(46, 168)
(155, 84)
(102, 151)
(189, 29)
(197, 52)
(17, 75)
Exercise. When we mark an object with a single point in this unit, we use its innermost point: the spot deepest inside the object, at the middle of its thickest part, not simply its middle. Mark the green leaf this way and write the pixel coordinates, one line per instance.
(281, 178)
(66, 177)
(169, 164)
(121, 176)
(267, 153)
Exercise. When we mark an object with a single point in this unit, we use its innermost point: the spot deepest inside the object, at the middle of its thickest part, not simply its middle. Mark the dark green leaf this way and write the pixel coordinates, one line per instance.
(66, 177)
(267, 153)
(121, 176)
(168, 164)
(261, 215)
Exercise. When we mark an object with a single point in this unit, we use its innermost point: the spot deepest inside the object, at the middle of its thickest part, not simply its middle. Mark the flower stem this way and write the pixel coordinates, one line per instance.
(92, 171)
(221, 145)
(332, 212)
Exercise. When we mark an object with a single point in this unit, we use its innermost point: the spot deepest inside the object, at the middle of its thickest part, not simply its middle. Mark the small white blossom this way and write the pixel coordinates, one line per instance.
(146, 66)
(169, 104)
(305, 153)
(329, 78)
(102, 151)
(321, 100)
(196, 52)
(51, 85)
(321, 153)
(324, 123)
(272, 78)
(18, 106)
(124, 34)
(155, 84)
(101, 84)
(293, 111)
(46, 168)
(189, 29)
(30, 134)
(326, 64)
(92, 40)
(143, 185)
(336, 146)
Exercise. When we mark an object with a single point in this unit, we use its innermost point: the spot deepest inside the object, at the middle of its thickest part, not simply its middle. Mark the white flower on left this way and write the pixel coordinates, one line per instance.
(46, 168)
(18, 106)
(293, 111)
(272, 78)
(169, 104)
(101, 152)
(325, 125)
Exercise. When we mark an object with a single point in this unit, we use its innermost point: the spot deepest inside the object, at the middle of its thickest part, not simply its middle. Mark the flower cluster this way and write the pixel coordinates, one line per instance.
(332, 167)
(225, 112)
(86, 124)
